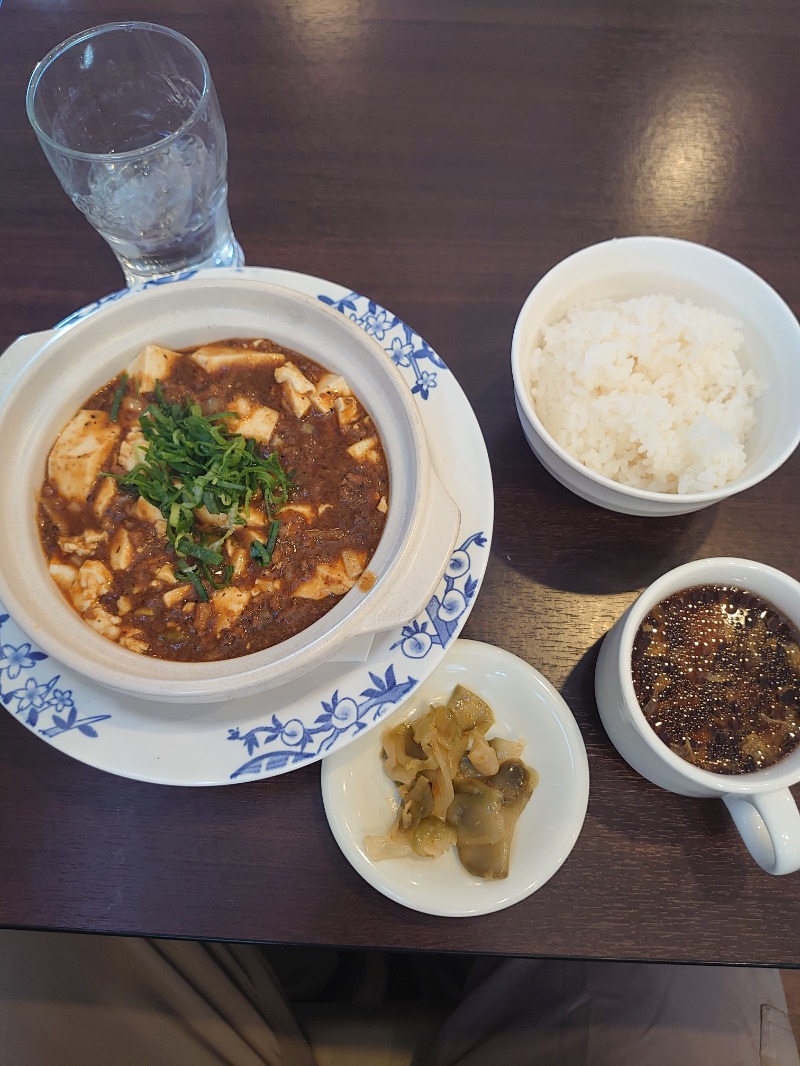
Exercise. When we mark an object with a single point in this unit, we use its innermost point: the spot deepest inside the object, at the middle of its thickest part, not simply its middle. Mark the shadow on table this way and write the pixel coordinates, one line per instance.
(553, 537)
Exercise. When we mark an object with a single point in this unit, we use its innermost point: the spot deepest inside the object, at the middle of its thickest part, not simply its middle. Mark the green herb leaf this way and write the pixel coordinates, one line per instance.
(192, 460)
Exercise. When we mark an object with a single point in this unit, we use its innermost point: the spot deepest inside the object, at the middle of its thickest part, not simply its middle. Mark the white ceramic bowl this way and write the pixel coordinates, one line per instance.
(420, 529)
(637, 266)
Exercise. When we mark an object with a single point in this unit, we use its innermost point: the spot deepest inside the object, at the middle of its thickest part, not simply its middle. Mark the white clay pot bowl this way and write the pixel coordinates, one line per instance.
(418, 536)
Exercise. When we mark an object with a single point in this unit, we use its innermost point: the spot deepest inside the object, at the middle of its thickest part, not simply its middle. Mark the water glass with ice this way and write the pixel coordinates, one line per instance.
(129, 120)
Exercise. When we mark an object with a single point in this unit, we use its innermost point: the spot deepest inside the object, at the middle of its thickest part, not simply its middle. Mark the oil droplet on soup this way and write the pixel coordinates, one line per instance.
(716, 671)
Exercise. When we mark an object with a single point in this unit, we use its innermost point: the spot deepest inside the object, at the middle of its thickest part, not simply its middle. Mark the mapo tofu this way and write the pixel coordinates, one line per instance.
(212, 502)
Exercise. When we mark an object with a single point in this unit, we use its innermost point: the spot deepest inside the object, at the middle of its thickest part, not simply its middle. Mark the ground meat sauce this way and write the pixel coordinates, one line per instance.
(108, 550)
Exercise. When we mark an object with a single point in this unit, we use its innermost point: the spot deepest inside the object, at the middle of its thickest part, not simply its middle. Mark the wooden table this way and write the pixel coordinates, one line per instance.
(440, 156)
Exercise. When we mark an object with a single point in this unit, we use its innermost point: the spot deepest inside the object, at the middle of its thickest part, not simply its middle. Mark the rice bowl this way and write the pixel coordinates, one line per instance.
(633, 267)
(647, 391)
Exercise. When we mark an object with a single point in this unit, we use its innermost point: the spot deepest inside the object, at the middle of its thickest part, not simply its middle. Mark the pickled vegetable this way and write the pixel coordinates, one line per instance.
(456, 787)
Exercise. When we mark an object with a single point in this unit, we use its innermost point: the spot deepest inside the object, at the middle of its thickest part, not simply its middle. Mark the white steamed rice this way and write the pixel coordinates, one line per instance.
(647, 391)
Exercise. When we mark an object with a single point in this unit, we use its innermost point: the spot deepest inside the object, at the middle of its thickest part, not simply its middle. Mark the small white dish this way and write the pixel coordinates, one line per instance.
(360, 799)
(637, 266)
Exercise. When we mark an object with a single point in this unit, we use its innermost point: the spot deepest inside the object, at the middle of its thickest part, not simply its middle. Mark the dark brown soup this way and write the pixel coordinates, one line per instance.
(213, 502)
(716, 671)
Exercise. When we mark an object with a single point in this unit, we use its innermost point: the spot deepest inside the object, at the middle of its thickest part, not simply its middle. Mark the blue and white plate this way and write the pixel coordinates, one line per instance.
(305, 720)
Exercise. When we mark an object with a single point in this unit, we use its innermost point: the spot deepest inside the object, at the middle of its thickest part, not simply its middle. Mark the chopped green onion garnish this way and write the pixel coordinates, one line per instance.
(192, 461)
(273, 536)
(263, 552)
(201, 552)
(115, 406)
(188, 573)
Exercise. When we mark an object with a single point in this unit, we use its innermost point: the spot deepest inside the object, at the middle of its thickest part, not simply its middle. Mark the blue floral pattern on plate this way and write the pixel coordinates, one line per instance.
(404, 347)
(35, 697)
(440, 621)
(341, 716)
(302, 722)
(284, 743)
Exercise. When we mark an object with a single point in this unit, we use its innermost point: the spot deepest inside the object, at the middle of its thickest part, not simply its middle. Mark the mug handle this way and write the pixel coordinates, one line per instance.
(769, 824)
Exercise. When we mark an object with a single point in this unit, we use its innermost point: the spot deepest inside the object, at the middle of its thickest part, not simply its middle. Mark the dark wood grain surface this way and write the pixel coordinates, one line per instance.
(440, 156)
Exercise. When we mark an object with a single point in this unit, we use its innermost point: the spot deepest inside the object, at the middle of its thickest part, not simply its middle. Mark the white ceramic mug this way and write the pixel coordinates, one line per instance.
(760, 802)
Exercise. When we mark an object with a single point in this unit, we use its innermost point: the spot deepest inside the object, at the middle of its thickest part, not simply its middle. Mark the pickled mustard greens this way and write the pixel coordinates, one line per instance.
(457, 789)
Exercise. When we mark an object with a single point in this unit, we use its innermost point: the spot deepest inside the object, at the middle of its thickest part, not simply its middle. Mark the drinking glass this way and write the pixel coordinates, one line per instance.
(128, 118)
